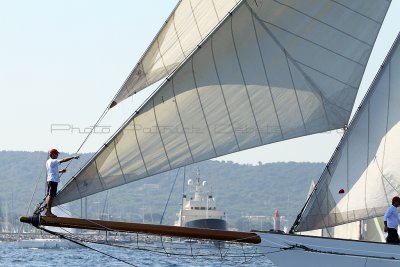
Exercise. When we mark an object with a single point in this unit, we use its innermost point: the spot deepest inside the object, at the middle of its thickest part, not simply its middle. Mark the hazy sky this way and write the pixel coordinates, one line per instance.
(61, 63)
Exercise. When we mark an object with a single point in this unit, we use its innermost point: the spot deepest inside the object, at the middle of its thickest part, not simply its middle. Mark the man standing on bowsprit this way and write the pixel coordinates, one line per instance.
(53, 177)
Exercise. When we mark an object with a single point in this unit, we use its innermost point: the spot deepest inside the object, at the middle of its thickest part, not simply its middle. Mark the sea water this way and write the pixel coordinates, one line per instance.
(12, 255)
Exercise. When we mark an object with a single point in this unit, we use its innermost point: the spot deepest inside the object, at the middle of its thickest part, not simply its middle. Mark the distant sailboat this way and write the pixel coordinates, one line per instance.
(268, 71)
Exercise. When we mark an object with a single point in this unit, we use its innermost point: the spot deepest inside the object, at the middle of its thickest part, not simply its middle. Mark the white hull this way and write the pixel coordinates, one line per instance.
(295, 250)
(46, 243)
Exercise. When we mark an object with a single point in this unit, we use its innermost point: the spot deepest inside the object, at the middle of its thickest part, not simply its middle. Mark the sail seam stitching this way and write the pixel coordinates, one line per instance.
(215, 9)
(202, 108)
(162, 58)
(266, 76)
(119, 163)
(195, 20)
(357, 12)
(314, 43)
(244, 82)
(223, 95)
(161, 138)
(180, 118)
(98, 175)
(324, 23)
(298, 62)
(177, 36)
(140, 150)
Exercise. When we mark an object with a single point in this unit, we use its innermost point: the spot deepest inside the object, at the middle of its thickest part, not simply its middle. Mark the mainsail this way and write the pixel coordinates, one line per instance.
(189, 23)
(271, 71)
(363, 175)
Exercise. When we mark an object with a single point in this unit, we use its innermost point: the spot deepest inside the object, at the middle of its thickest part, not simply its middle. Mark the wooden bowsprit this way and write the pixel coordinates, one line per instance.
(174, 231)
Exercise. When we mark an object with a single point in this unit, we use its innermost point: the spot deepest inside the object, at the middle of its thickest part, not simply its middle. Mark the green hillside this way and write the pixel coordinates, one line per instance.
(240, 190)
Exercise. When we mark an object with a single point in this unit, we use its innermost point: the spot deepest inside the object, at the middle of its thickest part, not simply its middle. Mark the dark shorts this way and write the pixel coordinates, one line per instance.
(52, 188)
(392, 237)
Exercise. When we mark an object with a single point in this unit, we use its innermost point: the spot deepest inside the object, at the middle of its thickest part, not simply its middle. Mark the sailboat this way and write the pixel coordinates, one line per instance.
(242, 74)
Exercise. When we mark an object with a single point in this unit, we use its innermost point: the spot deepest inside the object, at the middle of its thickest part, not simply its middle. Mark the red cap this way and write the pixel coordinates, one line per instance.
(54, 151)
(395, 199)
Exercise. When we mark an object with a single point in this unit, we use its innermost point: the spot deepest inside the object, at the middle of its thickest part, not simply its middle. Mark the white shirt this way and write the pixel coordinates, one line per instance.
(391, 217)
(52, 170)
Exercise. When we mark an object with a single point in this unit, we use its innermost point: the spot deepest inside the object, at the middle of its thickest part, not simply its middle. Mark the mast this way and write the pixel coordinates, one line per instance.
(175, 231)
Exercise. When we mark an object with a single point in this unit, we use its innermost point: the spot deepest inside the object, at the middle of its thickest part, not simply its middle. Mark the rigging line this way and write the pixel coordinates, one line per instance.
(87, 137)
(266, 75)
(383, 176)
(99, 176)
(295, 91)
(355, 88)
(169, 196)
(347, 182)
(309, 80)
(254, 254)
(329, 248)
(308, 249)
(367, 157)
(86, 246)
(106, 203)
(33, 194)
(153, 251)
(65, 210)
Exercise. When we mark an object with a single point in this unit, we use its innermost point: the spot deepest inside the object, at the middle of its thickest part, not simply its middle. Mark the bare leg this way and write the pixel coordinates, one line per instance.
(49, 201)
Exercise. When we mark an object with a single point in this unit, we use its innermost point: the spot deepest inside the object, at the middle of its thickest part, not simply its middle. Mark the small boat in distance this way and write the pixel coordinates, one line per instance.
(200, 211)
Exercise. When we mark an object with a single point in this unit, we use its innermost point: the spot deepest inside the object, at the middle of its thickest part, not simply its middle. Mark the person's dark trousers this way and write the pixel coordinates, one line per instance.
(393, 236)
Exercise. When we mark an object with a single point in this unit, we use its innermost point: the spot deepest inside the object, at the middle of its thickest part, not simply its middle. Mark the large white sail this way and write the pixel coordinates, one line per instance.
(271, 71)
(190, 22)
(363, 175)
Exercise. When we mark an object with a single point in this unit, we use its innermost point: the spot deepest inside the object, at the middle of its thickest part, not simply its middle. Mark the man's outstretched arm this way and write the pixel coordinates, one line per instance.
(68, 159)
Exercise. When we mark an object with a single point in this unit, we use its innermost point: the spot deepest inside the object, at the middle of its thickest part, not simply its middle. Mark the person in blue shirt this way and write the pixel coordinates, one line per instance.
(391, 221)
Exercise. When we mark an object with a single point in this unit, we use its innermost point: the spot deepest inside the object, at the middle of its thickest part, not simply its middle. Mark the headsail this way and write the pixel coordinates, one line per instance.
(271, 71)
(363, 175)
(190, 22)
